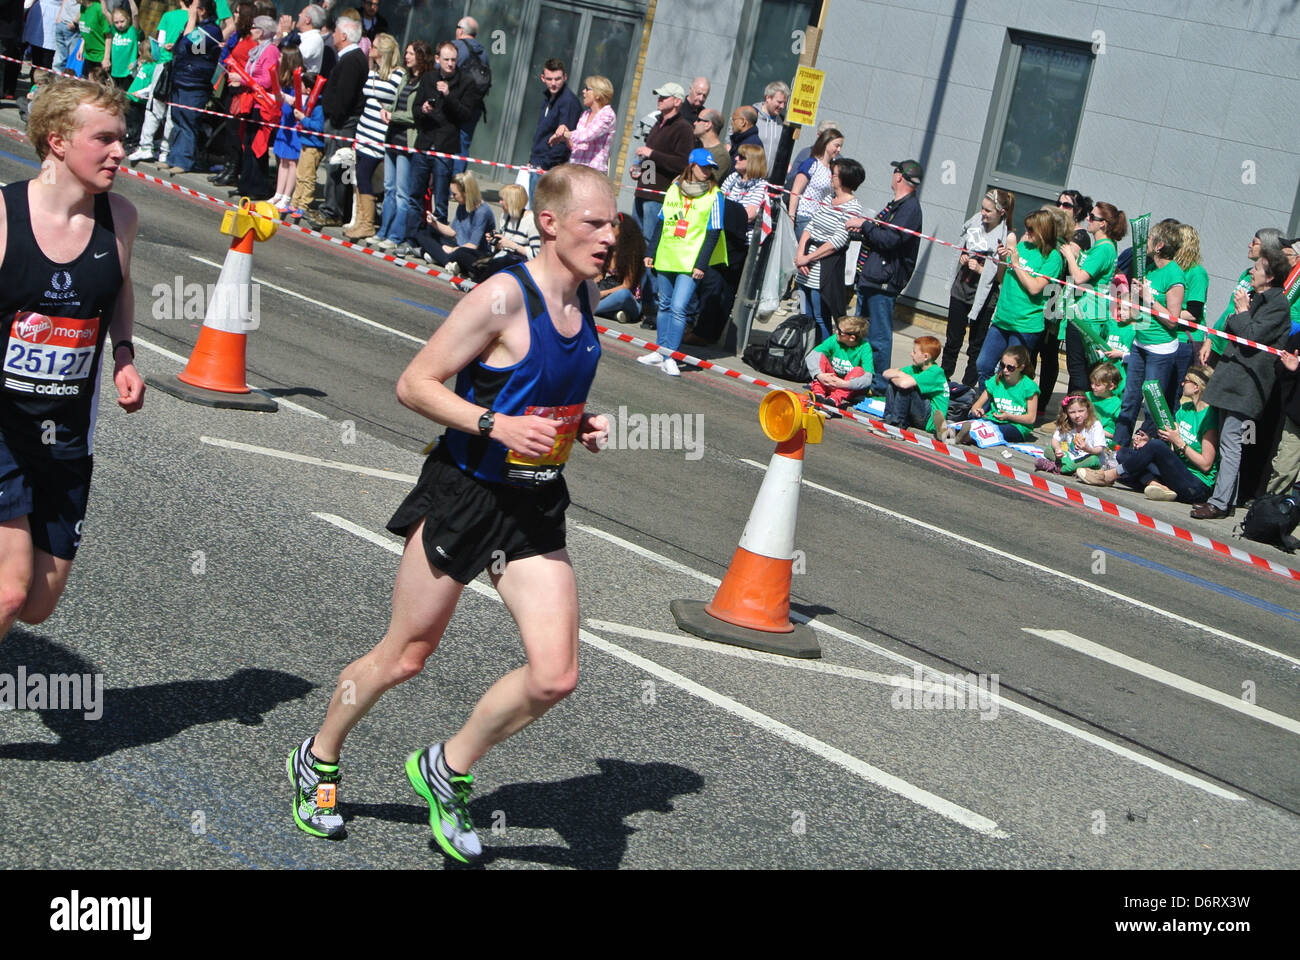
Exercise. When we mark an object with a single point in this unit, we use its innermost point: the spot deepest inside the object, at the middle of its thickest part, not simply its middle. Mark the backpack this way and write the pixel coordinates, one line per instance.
(479, 73)
(960, 399)
(784, 352)
(1271, 519)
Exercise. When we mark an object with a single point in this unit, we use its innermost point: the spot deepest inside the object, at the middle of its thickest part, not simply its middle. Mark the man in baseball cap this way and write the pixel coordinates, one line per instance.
(671, 89)
(909, 170)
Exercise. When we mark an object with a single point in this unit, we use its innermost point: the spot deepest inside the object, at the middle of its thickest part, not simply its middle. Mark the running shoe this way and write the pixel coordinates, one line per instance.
(670, 367)
(448, 804)
(315, 793)
(651, 359)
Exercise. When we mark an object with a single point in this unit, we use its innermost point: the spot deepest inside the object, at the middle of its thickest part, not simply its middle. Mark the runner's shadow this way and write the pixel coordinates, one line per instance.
(134, 716)
(587, 812)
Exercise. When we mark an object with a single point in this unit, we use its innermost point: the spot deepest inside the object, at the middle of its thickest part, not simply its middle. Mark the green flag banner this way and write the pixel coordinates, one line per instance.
(1095, 346)
(1156, 404)
(1139, 228)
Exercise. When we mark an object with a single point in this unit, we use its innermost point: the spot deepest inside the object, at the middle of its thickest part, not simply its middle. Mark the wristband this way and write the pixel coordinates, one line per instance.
(124, 343)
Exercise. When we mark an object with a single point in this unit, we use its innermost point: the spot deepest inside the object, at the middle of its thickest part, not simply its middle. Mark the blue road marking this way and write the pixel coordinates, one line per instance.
(13, 156)
(422, 306)
(1200, 582)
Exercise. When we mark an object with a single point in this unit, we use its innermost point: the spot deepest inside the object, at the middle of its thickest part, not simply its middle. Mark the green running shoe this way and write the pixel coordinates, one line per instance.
(448, 804)
(315, 793)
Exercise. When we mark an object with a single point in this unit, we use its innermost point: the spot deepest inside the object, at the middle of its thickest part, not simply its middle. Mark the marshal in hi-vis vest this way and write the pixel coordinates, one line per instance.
(686, 220)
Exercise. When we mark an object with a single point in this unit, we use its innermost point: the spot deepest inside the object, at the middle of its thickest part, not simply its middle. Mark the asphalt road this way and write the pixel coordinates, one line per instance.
(1146, 703)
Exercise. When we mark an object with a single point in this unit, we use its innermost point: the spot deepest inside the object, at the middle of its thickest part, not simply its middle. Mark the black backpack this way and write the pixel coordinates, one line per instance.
(960, 399)
(784, 352)
(1271, 519)
(479, 73)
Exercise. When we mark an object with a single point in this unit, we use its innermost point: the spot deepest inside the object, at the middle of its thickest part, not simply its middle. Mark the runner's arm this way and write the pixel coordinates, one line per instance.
(130, 386)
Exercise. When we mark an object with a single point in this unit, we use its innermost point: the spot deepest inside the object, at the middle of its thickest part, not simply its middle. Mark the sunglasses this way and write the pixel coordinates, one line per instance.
(1008, 367)
(1064, 203)
(1094, 219)
(847, 333)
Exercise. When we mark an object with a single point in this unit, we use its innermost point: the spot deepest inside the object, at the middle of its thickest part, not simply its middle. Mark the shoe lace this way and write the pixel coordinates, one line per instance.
(461, 788)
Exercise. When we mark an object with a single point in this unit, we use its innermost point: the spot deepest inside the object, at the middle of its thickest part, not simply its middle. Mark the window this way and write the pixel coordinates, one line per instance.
(1034, 119)
(773, 53)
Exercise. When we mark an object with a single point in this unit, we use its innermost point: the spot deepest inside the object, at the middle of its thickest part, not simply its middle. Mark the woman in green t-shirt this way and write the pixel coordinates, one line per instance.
(1156, 343)
(1027, 269)
(1198, 284)
(1009, 400)
(1107, 225)
(1213, 347)
(123, 46)
(94, 28)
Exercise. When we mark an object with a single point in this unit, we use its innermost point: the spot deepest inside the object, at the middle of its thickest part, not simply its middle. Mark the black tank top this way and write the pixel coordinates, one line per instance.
(53, 320)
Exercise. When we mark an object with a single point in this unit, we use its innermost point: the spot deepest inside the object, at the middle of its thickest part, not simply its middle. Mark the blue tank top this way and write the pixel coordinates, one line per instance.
(552, 381)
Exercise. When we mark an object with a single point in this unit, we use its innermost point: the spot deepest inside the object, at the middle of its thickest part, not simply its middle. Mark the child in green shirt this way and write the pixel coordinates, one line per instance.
(917, 395)
(123, 46)
(1104, 381)
(840, 366)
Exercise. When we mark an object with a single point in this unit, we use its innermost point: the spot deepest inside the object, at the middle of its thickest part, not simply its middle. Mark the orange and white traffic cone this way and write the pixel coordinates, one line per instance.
(215, 374)
(752, 605)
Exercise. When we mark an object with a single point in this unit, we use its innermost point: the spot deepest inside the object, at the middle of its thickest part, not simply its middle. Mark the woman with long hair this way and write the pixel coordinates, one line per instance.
(822, 244)
(1025, 269)
(518, 239)
(401, 211)
(812, 181)
(1078, 206)
(1198, 285)
(623, 272)
(380, 93)
(974, 291)
(467, 232)
(262, 66)
(233, 98)
(589, 141)
(747, 182)
(1106, 225)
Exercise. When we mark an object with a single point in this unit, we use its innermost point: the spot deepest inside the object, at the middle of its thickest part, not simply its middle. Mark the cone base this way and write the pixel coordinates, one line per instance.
(175, 387)
(694, 619)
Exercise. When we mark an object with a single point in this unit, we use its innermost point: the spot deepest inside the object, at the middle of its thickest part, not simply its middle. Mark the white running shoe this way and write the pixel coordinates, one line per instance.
(651, 359)
(670, 367)
(140, 153)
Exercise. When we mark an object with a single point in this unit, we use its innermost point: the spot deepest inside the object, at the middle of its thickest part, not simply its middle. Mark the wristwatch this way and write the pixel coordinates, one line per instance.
(124, 343)
(486, 422)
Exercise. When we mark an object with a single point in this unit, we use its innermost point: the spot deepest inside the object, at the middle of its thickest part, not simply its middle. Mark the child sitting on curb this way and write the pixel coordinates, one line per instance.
(1010, 398)
(840, 366)
(1078, 440)
(917, 395)
(1103, 391)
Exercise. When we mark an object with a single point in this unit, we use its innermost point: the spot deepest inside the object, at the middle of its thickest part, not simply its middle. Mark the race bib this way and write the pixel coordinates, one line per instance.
(47, 355)
(548, 466)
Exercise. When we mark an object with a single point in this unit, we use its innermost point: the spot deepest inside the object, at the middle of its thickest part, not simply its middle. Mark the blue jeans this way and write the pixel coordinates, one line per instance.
(1142, 366)
(466, 138)
(878, 307)
(675, 291)
(422, 166)
(619, 300)
(906, 407)
(1172, 387)
(64, 38)
(186, 135)
(394, 223)
(810, 302)
(996, 342)
(647, 215)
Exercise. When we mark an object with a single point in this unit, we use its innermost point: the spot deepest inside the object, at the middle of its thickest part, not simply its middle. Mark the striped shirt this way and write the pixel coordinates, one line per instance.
(380, 95)
(747, 193)
(523, 232)
(828, 226)
(591, 138)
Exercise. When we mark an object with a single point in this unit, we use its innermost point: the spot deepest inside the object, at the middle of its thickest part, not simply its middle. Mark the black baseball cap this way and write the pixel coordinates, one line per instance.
(910, 169)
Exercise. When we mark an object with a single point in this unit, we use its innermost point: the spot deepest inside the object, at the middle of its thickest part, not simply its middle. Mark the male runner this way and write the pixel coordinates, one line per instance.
(65, 283)
(523, 348)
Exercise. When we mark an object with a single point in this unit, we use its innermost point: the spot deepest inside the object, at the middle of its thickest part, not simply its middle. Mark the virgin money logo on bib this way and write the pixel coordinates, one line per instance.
(33, 327)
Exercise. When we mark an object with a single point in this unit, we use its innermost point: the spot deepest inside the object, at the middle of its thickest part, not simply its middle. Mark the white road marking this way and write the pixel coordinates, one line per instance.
(184, 360)
(314, 461)
(1066, 639)
(1049, 721)
(325, 306)
(933, 802)
(1214, 631)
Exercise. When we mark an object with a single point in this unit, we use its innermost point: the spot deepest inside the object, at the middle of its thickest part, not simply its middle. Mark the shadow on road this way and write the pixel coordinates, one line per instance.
(587, 812)
(137, 715)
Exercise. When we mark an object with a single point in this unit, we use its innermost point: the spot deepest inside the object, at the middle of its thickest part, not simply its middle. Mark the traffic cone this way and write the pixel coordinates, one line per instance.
(215, 374)
(752, 606)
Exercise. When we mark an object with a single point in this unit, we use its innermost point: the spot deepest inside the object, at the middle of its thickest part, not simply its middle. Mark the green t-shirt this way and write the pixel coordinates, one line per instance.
(1198, 285)
(931, 382)
(1018, 311)
(1193, 427)
(1098, 263)
(1119, 336)
(94, 29)
(1107, 409)
(1007, 400)
(142, 78)
(1150, 331)
(171, 25)
(124, 47)
(1243, 283)
(844, 359)
(223, 10)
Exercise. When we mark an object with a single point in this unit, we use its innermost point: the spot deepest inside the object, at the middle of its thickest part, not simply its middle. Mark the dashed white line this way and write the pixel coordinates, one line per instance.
(314, 461)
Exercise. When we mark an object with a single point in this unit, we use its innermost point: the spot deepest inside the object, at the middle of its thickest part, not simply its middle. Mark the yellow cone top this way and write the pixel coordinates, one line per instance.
(783, 413)
(260, 217)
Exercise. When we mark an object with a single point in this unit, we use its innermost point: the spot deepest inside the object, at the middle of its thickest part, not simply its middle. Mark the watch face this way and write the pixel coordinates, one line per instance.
(485, 422)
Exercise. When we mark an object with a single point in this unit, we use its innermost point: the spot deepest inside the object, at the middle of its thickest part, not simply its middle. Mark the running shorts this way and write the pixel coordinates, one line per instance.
(52, 494)
(469, 523)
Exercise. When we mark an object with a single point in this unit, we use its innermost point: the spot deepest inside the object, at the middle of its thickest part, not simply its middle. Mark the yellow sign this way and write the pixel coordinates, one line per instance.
(804, 95)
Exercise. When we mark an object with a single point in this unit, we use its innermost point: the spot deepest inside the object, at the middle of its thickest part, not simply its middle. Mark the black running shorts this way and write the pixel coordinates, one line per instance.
(470, 523)
(51, 494)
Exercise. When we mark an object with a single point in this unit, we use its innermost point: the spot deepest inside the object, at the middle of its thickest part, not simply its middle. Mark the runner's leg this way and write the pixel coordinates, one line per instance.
(541, 593)
(423, 602)
(31, 581)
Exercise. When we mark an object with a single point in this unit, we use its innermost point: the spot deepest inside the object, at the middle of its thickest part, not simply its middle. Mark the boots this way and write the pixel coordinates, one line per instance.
(365, 218)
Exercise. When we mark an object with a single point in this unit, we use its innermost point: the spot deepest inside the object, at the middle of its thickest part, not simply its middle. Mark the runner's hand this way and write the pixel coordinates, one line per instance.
(593, 432)
(130, 387)
(529, 436)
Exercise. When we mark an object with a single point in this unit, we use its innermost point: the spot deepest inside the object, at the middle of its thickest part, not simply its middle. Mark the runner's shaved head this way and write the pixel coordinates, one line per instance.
(555, 190)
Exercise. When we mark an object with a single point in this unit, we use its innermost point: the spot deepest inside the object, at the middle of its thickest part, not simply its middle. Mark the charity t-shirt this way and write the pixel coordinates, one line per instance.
(124, 47)
(1006, 399)
(1150, 331)
(932, 383)
(1107, 409)
(1094, 435)
(1099, 264)
(1119, 336)
(1192, 427)
(1198, 285)
(1243, 283)
(143, 79)
(171, 25)
(94, 30)
(844, 359)
(1018, 311)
